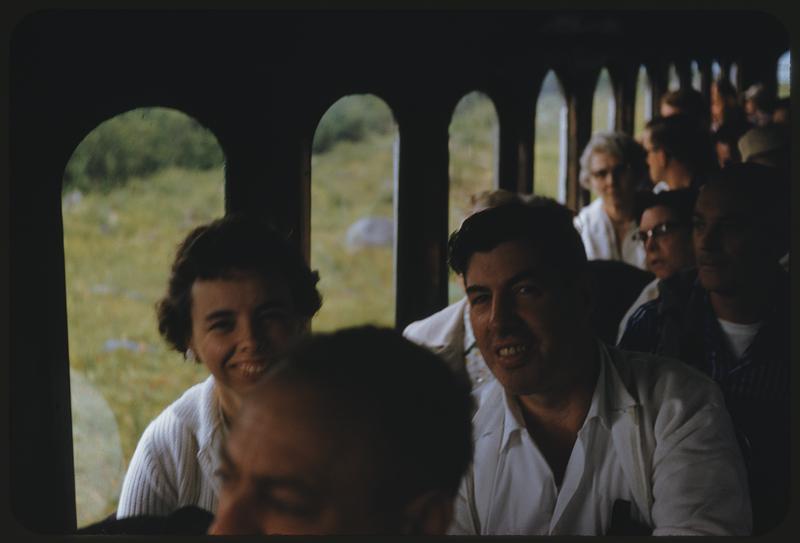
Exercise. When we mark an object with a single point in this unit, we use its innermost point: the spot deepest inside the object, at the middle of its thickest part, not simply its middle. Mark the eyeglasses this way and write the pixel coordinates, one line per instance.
(657, 231)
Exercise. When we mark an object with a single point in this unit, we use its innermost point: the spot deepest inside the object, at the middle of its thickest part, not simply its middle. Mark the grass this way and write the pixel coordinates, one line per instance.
(352, 180)
(119, 246)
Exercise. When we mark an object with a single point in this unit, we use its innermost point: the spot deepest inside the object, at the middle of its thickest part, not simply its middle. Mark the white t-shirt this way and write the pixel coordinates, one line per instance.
(739, 336)
(661, 186)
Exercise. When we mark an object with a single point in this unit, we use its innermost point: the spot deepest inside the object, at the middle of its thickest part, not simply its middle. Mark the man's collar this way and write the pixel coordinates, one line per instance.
(600, 407)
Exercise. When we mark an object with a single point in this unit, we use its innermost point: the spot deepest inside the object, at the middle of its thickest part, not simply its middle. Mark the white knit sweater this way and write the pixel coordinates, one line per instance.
(174, 463)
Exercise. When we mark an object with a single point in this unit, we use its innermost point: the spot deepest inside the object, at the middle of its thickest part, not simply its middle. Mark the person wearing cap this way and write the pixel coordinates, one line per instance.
(768, 145)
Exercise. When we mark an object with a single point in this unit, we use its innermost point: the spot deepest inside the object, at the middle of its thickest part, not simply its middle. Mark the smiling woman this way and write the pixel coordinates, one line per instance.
(237, 296)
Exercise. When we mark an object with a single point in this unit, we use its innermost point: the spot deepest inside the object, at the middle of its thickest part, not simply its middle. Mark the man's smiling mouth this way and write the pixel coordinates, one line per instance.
(511, 350)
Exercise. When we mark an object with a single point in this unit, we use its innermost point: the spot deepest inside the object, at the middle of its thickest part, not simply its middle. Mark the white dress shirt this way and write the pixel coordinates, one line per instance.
(600, 240)
(525, 489)
(657, 434)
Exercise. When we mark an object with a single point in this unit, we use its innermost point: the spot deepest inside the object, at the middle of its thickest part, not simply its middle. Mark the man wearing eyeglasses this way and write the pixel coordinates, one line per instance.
(730, 319)
(665, 232)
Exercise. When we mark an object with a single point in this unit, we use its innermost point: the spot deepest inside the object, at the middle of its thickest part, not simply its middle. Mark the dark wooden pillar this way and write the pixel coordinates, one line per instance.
(684, 69)
(516, 116)
(421, 209)
(624, 78)
(268, 175)
(705, 79)
(725, 68)
(41, 474)
(579, 130)
(659, 80)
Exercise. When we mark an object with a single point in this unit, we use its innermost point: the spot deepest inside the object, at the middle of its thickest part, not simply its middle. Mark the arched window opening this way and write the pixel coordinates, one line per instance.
(673, 81)
(352, 212)
(784, 75)
(733, 75)
(132, 189)
(696, 76)
(550, 147)
(643, 110)
(603, 105)
(473, 144)
(716, 70)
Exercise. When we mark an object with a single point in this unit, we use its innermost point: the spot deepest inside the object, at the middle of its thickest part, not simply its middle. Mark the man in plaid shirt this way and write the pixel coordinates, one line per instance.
(730, 319)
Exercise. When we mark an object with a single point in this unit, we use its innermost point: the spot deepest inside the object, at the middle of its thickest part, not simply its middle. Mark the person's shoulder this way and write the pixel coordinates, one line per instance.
(182, 418)
(659, 378)
(589, 215)
(196, 395)
(642, 316)
(434, 329)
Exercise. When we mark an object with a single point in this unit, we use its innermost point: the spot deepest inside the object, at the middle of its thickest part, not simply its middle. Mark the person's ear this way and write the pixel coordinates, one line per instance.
(428, 514)
(190, 353)
(662, 158)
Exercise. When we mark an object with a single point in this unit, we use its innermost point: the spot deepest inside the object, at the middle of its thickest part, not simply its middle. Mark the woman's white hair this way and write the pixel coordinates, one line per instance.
(616, 144)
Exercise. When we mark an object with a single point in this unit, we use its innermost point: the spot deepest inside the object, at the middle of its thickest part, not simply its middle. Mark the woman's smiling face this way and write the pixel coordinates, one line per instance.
(240, 325)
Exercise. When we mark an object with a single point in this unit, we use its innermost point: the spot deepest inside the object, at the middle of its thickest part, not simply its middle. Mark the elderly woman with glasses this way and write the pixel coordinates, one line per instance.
(612, 166)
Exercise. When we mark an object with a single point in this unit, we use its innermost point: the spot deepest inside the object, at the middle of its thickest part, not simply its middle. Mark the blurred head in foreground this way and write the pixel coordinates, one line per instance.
(355, 432)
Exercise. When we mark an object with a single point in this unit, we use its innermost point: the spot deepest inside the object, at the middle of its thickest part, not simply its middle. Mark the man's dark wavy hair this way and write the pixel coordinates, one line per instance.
(236, 243)
(541, 222)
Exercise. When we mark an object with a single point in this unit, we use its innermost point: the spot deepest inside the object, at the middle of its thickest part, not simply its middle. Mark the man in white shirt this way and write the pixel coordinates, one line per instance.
(574, 437)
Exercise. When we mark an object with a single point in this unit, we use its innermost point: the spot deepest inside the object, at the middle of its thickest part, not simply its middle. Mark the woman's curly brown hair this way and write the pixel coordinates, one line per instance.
(235, 243)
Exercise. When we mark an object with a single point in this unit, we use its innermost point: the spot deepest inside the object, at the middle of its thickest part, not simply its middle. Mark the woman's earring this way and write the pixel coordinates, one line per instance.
(189, 355)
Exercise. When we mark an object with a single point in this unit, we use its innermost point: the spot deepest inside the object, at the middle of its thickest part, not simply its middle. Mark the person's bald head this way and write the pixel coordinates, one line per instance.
(368, 432)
